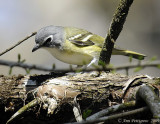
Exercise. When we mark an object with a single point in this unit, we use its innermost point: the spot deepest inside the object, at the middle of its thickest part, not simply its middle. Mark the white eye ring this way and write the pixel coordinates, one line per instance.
(48, 39)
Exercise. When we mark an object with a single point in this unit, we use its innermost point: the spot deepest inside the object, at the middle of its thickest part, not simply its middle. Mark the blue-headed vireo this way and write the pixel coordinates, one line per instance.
(75, 46)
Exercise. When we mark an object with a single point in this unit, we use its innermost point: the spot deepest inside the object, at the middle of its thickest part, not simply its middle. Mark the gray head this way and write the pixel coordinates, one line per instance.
(50, 36)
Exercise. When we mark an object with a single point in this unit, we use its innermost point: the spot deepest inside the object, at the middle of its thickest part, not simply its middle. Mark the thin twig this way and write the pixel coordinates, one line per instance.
(23, 65)
(18, 43)
(116, 116)
(112, 109)
(41, 68)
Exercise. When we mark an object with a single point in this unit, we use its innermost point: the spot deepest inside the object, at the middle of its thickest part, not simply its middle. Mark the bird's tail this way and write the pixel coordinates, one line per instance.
(128, 53)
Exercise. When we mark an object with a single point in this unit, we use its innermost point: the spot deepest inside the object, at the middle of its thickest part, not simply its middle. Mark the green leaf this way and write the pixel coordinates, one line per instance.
(137, 69)
(10, 70)
(79, 70)
(53, 66)
(113, 71)
(23, 61)
(19, 57)
(28, 71)
(87, 113)
(153, 58)
(103, 64)
(140, 57)
(110, 66)
(95, 66)
(130, 58)
(158, 66)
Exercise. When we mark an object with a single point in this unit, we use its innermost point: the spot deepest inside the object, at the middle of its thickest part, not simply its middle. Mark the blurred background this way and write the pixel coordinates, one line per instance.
(19, 18)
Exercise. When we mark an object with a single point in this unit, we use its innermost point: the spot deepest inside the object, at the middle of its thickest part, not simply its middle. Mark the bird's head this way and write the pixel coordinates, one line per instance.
(49, 37)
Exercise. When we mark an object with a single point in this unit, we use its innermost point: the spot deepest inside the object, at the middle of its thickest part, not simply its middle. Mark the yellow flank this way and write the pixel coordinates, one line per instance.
(92, 51)
(71, 48)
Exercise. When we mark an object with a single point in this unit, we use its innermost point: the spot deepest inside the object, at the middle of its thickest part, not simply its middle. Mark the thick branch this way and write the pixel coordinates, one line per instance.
(92, 92)
(114, 30)
(146, 94)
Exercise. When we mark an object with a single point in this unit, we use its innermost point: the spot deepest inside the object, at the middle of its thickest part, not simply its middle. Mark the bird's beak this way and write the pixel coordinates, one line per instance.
(36, 47)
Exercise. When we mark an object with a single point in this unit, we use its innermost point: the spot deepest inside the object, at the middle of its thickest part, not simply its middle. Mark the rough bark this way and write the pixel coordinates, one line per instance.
(93, 91)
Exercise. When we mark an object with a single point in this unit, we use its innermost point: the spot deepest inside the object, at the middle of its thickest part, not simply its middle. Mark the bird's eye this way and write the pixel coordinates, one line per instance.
(47, 40)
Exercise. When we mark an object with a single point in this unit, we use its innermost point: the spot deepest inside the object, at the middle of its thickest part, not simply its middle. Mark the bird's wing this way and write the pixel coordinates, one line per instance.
(81, 37)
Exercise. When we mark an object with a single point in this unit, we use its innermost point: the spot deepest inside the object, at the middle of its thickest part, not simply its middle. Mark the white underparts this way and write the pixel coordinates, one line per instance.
(74, 58)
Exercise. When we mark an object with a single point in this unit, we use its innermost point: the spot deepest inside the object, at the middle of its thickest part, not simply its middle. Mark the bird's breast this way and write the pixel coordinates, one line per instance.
(70, 57)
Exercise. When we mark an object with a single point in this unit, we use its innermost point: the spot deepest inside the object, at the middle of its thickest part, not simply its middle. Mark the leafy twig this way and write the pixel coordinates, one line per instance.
(23, 65)
(36, 67)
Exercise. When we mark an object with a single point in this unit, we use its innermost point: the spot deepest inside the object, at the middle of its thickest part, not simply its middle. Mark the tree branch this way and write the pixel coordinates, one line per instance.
(92, 92)
(18, 43)
(112, 109)
(111, 117)
(23, 65)
(36, 67)
(146, 94)
(114, 30)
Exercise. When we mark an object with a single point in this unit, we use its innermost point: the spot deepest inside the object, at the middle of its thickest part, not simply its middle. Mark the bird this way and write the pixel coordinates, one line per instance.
(75, 46)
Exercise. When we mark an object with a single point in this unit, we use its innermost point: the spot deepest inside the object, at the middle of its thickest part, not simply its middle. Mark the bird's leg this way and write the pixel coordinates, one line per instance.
(92, 62)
